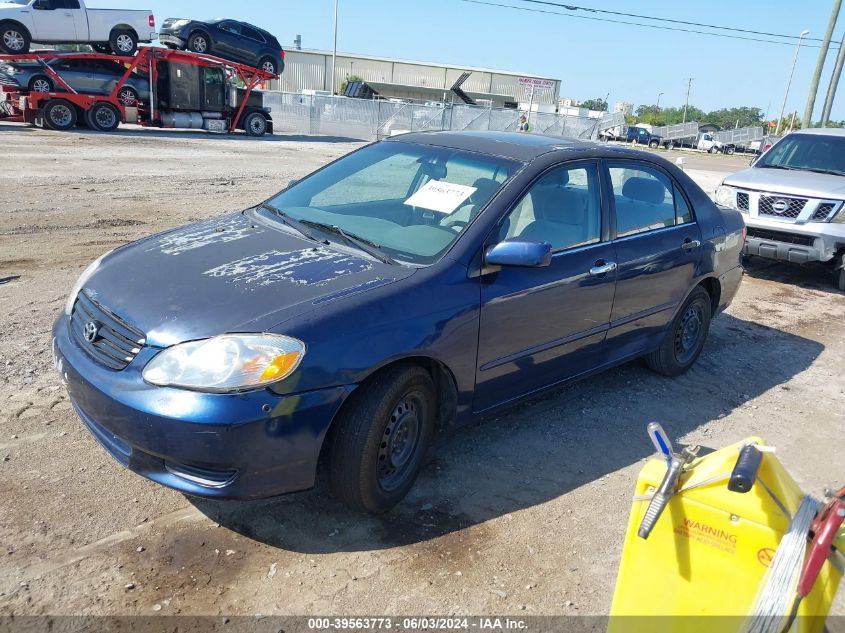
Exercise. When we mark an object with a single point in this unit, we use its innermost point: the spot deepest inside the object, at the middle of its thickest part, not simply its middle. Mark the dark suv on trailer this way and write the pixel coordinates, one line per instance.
(229, 39)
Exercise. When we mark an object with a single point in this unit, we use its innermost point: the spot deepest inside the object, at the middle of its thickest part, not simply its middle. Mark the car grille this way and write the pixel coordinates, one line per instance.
(742, 201)
(781, 236)
(823, 211)
(793, 206)
(115, 343)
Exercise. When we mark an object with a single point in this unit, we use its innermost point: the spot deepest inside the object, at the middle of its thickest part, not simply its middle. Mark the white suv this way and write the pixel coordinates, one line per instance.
(792, 199)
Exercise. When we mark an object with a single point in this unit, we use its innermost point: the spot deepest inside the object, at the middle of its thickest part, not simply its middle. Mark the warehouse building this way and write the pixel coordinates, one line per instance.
(396, 78)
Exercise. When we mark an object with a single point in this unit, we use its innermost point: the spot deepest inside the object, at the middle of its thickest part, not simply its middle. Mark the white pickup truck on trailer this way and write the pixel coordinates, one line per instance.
(119, 31)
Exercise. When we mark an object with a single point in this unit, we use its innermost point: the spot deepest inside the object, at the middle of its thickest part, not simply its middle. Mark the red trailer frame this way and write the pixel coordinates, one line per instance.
(146, 58)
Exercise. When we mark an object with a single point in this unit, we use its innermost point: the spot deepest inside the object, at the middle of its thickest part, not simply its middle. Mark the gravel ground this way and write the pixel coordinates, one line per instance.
(522, 512)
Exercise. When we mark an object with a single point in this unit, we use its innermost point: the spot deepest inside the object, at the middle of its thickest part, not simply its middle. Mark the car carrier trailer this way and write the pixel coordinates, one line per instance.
(187, 90)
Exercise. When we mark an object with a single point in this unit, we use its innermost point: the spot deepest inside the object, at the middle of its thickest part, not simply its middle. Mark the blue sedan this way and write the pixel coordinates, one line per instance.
(400, 290)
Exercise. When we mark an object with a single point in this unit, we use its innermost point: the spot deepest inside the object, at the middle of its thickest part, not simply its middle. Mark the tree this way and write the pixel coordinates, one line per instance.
(595, 104)
(347, 80)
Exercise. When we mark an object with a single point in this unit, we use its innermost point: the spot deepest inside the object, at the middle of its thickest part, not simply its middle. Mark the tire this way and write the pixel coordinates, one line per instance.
(105, 49)
(840, 274)
(730, 151)
(40, 83)
(255, 124)
(380, 437)
(128, 96)
(199, 43)
(123, 42)
(59, 115)
(654, 144)
(103, 117)
(14, 39)
(685, 338)
(269, 65)
(712, 150)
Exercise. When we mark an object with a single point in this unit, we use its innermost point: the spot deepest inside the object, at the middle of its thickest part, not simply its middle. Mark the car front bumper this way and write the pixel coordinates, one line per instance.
(241, 446)
(174, 40)
(794, 242)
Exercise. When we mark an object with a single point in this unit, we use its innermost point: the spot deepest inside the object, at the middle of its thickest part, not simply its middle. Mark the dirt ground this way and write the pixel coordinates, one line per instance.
(521, 513)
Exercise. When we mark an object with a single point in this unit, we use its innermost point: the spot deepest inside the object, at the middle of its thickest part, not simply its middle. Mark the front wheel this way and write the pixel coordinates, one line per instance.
(380, 438)
(59, 115)
(686, 336)
(39, 83)
(198, 43)
(255, 124)
(128, 97)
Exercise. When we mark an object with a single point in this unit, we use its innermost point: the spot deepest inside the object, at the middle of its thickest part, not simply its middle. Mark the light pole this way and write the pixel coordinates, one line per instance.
(789, 83)
(658, 100)
(686, 103)
(334, 50)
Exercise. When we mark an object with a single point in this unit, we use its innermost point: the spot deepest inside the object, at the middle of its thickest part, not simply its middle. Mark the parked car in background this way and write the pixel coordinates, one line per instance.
(409, 286)
(229, 39)
(792, 198)
(23, 22)
(708, 143)
(642, 136)
(86, 76)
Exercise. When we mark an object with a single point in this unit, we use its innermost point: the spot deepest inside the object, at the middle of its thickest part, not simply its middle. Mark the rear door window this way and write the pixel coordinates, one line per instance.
(251, 34)
(645, 199)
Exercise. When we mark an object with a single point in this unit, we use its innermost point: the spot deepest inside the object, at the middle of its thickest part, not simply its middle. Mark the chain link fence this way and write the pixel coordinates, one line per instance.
(371, 120)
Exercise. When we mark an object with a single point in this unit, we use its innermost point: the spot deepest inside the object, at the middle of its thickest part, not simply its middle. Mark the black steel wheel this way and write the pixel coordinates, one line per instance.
(686, 336)
(59, 115)
(103, 117)
(255, 124)
(198, 43)
(14, 39)
(379, 439)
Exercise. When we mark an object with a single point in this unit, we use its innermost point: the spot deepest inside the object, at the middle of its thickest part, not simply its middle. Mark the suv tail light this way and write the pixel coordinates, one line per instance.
(152, 21)
(744, 234)
(283, 54)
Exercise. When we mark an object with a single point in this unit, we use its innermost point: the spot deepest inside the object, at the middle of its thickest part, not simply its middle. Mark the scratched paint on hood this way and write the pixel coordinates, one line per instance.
(205, 234)
(310, 266)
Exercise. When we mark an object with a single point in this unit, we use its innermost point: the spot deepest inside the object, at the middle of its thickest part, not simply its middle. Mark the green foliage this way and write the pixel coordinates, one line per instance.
(726, 118)
(595, 104)
(347, 80)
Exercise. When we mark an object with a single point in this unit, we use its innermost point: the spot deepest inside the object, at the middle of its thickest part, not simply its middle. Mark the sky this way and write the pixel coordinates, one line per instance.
(591, 58)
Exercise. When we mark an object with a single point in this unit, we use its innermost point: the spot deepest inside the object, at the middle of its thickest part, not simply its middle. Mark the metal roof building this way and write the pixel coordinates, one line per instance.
(307, 69)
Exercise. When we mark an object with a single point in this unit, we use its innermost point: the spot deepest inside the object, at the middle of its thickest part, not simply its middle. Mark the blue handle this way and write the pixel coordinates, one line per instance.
(660, 440)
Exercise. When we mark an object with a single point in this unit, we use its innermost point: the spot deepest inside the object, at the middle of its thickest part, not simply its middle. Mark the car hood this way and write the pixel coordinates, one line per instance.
(801, 183)
(230, 274)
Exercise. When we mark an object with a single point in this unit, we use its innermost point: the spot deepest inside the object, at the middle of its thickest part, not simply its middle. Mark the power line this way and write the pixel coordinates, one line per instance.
(627, 23)
(570, 7)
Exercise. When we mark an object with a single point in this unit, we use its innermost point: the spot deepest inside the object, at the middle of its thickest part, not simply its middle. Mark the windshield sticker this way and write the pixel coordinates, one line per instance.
(205, 234)
(311, 266)
(442, 196)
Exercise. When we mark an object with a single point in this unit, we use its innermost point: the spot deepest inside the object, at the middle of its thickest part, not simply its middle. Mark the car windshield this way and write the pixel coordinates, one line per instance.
(409, 201)
(807, 152)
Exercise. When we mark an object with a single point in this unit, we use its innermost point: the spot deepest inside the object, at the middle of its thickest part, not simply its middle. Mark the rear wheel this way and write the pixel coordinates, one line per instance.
(14, 39)
(382, 434)
(123, 42)
(730, 151)
(40, 83)
(654, 144)
(268, 64)
(59, 115)
(103, 117)
(198, 43)
(686, 336)
(255, 124)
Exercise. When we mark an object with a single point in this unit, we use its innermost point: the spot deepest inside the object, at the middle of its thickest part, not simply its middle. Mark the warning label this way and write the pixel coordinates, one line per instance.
(707, 535)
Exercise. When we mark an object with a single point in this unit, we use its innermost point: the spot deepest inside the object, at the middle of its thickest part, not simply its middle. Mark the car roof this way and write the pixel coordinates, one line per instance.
(241, 22)
(519, 146)
(822, 131)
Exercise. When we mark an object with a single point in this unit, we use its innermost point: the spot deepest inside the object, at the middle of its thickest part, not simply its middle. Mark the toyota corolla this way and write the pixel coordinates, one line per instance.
(402, 289)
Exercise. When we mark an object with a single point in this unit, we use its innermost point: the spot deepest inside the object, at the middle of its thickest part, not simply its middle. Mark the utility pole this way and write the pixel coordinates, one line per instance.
(334, 51)
(817, 75)
(834, 84)
(686, 103)
(789, 83)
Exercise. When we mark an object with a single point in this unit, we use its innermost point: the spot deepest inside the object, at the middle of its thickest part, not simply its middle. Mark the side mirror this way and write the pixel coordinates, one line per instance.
(519, 253)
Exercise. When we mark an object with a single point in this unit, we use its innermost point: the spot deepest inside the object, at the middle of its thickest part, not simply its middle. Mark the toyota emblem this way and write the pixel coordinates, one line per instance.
(91, 331)
(780, 206)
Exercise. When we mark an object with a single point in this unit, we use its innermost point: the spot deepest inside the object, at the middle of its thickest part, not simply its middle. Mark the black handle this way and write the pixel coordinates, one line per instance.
(745, 472)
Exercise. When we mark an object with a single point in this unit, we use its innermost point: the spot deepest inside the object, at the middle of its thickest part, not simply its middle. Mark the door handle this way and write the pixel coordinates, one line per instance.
(689, 244)
(602, 268)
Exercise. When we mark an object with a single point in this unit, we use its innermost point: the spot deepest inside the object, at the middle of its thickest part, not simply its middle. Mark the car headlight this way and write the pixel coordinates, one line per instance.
(178, 24)
(227, 363)
(83, 279)
(726, 196)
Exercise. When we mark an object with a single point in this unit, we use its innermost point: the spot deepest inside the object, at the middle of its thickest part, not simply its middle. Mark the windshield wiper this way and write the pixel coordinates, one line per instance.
(832, 172)
(778, 167)
(368, 246)
(292, 222)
